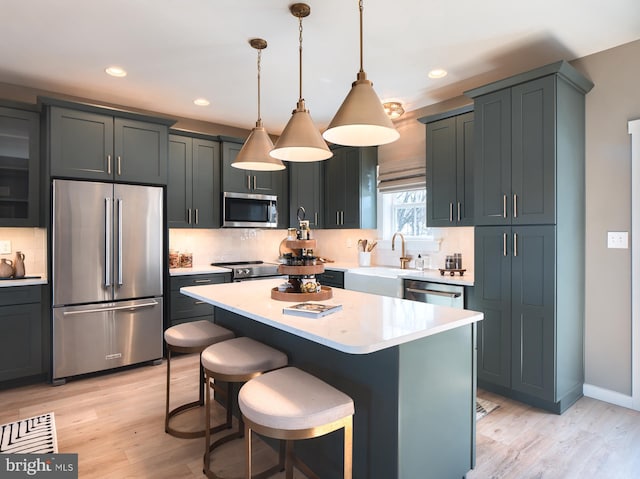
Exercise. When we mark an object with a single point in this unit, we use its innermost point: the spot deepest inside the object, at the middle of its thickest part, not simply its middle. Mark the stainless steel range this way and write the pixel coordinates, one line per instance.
(250, 270)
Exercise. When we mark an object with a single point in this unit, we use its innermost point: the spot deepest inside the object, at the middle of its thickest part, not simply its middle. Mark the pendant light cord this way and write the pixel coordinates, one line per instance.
(259, 58)
(300, 57)
(361, 49)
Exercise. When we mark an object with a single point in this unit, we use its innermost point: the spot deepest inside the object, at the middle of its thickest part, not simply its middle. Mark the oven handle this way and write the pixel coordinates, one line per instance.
(434, 292)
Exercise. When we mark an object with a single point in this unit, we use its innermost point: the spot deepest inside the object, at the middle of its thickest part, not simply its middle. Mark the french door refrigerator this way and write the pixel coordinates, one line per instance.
(107, 276)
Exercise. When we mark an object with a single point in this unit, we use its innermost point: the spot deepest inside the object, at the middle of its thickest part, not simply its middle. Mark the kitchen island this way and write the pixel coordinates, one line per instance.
(409, 367)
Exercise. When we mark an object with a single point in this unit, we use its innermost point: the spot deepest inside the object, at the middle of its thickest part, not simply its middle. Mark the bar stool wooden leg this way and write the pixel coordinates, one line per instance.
(247, 449)
(348, 448)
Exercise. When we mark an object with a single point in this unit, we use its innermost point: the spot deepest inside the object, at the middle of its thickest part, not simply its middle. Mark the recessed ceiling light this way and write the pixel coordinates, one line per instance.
(437, 73)
(201, 102)
(116, 71)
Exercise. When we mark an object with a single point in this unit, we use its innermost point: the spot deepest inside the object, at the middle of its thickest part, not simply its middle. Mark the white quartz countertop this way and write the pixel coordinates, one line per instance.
(198, 269)
(391, 272)
(6, 283)
(366, 323)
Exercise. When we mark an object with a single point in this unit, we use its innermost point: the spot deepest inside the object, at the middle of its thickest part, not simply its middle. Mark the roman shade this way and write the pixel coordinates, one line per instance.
(402, 165)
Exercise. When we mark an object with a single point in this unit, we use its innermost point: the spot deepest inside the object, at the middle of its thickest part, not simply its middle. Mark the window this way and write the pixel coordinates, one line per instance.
(404, 211)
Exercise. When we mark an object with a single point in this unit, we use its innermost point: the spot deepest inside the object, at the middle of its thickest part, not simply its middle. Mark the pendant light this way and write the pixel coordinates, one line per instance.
(301, 140)
(361, 120)
(254, 154)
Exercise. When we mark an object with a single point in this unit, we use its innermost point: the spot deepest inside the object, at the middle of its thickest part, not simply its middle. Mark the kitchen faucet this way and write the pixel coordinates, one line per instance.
(403, 259)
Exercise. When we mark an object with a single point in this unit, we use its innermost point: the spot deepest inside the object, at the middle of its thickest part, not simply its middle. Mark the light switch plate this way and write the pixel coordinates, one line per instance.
(618, 239)
(5, 247)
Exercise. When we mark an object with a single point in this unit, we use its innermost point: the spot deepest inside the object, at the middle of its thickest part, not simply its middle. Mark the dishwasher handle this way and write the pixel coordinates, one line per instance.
(434, 292)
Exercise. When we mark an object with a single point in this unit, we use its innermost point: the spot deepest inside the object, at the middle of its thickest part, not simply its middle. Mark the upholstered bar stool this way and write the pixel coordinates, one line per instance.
(290, 404)
(235, 361)
(191, 337)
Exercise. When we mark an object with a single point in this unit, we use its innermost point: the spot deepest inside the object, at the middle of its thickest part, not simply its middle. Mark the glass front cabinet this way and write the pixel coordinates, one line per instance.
(19, 166)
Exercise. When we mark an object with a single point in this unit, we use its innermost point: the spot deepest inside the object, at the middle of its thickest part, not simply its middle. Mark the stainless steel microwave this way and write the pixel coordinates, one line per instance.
(247, 210)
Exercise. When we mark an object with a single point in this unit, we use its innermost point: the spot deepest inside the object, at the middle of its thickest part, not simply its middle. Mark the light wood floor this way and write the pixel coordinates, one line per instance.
(115, 422)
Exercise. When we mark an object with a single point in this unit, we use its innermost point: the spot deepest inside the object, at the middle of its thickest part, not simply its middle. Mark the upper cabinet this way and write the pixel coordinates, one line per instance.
(258, 182)
(193, 188)
(92, 144)
(306, 182)
(350, 188)
(19, 166)
(529, 142)
(450, 168)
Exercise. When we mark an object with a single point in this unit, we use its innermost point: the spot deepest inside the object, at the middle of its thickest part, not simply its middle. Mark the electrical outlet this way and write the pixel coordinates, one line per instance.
(618, 239)
(5, 247)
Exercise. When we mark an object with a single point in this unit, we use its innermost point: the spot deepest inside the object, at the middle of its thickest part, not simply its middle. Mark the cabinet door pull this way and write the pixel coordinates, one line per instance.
(255, 182)
(202, 281)
(450, 212)
(315, 218)
(458, 212)
(196, 210)
(248, 182)
(199, 302)
(515, 205)
(189, 216)
(504, 206)
(108, 164)
(119, 161)
(342, 217)
(515, 244)
(504, 244)
(337, 217)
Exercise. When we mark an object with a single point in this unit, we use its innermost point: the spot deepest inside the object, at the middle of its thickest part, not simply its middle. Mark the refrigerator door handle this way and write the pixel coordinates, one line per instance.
(119, 241)
(113, 308)
(108, 226)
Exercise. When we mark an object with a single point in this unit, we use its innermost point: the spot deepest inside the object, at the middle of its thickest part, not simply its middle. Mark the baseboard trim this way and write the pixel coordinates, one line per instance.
(607, 395)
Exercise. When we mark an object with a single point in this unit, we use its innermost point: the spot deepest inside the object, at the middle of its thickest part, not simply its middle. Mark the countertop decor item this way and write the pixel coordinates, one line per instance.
(301, 266)
(6, 268)
(18, 265)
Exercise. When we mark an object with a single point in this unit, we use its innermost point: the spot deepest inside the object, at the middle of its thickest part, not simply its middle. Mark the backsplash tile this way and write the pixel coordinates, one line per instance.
(33, 243)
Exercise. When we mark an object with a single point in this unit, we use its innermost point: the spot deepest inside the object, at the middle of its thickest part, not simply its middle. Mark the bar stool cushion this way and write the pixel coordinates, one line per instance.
(241, 356)
(196, 334)
(290, 399)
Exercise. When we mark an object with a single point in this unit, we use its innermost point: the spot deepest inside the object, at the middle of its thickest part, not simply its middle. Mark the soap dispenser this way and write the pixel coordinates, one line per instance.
(419, 263)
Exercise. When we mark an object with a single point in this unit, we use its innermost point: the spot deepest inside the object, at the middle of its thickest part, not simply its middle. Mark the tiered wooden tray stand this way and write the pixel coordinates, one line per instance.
(302, 271)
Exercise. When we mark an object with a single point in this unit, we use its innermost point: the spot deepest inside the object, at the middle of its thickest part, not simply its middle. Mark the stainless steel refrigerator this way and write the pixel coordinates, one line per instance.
(107, 258)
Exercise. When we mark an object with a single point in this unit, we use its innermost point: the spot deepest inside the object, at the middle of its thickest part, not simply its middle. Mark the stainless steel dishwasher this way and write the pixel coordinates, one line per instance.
(451, 295)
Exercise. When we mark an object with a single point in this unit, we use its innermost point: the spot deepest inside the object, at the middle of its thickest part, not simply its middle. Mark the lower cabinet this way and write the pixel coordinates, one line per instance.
(185, 309)
(21, 343)
(530, 341)
(332, 278)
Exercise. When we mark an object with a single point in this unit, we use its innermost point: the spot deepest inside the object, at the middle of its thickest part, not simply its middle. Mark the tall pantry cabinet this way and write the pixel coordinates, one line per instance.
(529, 237)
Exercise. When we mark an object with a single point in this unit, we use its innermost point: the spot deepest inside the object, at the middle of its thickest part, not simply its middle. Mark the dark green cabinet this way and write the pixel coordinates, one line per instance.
(21, 337)
(185, 309)
(516, 154)
(96, 146)
(193, 188)
(258, 182)
(332, 278)
(350, 188)
(450, 171)
(516, 340)
(19, 167)
(529, 252)
(306, 181)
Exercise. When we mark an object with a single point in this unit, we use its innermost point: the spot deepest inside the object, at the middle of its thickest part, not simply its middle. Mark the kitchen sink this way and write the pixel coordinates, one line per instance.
(386, 281)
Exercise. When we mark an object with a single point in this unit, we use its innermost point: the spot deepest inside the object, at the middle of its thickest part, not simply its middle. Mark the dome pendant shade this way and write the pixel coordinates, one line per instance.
(301, 141)
(254, 154)
(361, 119)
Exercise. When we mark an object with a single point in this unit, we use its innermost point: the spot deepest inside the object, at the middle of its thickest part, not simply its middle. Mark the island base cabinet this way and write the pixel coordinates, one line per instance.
(414, 403)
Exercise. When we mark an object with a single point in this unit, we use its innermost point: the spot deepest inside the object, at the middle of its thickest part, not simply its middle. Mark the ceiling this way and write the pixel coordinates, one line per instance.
(177, 50)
